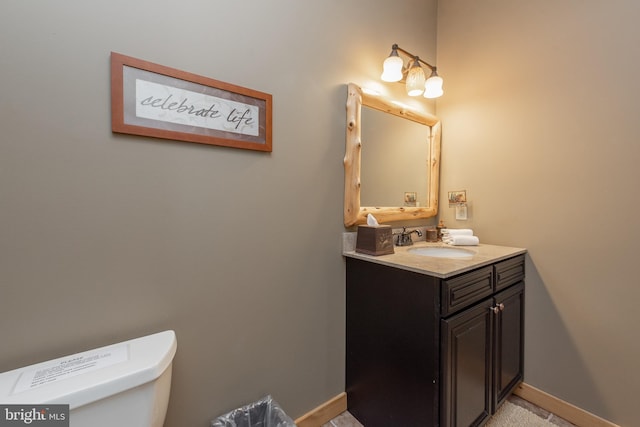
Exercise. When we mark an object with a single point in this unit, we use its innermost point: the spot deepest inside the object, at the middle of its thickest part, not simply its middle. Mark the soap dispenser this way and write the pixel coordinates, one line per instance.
(439, 228)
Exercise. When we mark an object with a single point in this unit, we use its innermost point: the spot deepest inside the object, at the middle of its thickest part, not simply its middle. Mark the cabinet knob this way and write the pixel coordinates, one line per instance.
(497, 308)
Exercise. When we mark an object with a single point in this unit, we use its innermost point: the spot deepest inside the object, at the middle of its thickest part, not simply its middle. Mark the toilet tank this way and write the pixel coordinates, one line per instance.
(125, 384)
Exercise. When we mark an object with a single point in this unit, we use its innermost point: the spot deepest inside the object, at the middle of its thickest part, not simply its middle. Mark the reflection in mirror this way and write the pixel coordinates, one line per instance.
(395, 160)
(393, 209)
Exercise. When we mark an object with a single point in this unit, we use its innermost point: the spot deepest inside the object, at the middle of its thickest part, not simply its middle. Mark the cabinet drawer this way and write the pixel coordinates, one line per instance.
(462, 291)
(509, 272)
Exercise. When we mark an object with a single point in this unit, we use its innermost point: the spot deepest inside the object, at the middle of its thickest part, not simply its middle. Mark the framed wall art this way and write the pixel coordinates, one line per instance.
(457, 197)
(153, 100)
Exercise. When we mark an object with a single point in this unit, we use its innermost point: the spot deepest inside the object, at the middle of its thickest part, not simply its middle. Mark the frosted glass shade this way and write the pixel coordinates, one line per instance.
(392, 69)
(433, 87)
(415, 80)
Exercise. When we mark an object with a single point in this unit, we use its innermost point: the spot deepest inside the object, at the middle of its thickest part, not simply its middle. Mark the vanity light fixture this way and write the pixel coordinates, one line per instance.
(393, 70)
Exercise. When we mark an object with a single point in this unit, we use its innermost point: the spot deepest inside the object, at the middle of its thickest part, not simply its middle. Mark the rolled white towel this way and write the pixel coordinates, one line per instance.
(457, 232)
(461, 240)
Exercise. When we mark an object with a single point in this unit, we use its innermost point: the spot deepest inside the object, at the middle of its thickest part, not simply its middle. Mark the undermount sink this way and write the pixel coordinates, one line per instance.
(441, 252)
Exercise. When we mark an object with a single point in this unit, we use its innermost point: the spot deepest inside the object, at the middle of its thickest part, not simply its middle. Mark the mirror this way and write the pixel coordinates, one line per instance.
(396, 177)
(423, 167)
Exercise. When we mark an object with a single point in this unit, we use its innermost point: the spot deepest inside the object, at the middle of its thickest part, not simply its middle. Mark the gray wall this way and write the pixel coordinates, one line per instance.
(108, 237)
(540, 127)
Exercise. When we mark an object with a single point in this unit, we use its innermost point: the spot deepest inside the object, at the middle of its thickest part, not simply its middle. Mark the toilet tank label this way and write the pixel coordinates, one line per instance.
(70, 366)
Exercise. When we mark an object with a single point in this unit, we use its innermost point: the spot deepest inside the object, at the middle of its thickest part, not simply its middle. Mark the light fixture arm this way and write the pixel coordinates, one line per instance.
(398, 48)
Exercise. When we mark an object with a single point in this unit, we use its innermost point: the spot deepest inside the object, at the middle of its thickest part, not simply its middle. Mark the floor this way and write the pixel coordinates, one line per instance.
(552, 418)
(347, 420)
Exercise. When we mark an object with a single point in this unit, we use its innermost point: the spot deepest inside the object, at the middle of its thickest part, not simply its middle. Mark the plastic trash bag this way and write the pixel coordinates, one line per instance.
(263, 413)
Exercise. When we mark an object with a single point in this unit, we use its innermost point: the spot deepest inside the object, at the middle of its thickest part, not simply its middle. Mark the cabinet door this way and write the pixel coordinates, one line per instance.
(466, 366)
(509, 342)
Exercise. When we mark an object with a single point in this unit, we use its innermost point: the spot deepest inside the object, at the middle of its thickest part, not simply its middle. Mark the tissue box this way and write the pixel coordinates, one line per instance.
(376, 240)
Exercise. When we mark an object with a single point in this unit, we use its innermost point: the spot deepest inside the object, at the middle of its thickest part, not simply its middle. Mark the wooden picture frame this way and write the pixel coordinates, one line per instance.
(148, 99)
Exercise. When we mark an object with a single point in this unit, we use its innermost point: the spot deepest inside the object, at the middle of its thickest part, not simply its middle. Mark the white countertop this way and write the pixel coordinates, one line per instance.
(439, 267)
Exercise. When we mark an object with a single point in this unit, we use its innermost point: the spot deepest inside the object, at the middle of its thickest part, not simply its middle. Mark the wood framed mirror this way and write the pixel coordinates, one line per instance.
(354, 213)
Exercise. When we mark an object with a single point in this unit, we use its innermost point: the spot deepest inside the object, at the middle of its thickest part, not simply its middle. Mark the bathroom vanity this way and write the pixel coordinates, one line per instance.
(433, 341)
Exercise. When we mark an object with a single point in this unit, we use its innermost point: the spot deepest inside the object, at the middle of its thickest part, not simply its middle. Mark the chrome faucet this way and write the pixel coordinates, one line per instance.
(404, 237)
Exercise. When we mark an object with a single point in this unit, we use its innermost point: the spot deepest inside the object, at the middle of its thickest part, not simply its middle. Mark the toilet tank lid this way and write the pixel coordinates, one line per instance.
(82, 378)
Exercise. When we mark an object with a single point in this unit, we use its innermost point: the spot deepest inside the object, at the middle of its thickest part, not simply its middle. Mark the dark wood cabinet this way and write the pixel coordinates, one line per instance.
(429, 351)
(466, 366)
(508, 343)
